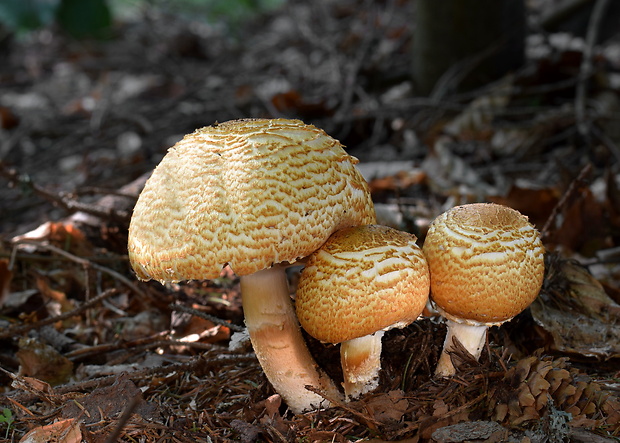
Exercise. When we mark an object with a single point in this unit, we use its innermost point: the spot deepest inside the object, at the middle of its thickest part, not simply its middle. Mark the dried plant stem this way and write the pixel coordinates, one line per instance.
(63, 199)
(141, 343)
(87, 264)
(21, 329)
(574, 187)
(211, 318)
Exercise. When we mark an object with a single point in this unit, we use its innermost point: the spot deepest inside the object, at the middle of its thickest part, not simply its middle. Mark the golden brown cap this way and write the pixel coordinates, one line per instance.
(250, 193)
(486, 263)
(363, 279)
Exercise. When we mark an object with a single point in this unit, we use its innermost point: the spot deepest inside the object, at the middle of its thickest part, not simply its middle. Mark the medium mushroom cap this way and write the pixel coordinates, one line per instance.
(363, 279)
(486, 263)
(248, 193)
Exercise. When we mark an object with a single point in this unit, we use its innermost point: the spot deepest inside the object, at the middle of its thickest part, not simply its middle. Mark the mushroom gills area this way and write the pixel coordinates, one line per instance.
(361, 360)
(278, 343)
(471, 336)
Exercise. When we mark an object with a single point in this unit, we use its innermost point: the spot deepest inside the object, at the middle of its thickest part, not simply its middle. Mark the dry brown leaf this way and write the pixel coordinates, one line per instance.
(575, 310)
(533, 201)
(40, 360)
(34, 386)
(110, 401)
(63, 235)
(388, 408)
(63, 431)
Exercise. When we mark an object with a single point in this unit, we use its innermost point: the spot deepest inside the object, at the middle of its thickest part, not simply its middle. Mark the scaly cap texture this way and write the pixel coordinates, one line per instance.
(248, 193)
(486, 263)
(363, 279)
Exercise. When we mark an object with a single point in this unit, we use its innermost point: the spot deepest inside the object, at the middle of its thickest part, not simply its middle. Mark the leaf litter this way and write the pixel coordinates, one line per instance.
(90, 354)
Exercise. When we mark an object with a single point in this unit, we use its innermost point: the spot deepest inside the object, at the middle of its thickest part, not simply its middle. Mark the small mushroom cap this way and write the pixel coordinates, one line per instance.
(363, 279)
(486, 262)
(248, 193)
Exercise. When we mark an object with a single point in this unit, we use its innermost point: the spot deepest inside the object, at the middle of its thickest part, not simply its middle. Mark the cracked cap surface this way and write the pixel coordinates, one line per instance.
(248, 193)
(363, 279)
(486, 262)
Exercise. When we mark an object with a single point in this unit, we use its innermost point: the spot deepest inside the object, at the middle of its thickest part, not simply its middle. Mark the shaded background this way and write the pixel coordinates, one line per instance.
(444, 103)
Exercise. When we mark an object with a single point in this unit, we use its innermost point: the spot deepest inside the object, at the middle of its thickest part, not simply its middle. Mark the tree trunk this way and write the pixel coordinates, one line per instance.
(468, 42)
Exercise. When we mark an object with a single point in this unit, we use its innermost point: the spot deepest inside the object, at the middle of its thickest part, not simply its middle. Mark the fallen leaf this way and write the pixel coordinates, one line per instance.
(42, 361)
(108, 402)
(575, 310)
(63, 431)
(388, 408)
(63, 235)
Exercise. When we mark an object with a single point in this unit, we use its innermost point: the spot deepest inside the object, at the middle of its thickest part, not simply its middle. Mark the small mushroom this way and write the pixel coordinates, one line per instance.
(256, 195)
(486, 264)
(363, 281)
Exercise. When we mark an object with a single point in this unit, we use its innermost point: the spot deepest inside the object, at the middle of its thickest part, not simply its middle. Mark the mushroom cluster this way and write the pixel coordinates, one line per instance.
(261, 194)
(256, 195)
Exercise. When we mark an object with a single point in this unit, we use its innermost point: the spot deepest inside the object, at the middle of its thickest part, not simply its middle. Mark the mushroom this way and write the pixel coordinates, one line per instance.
(363, 281)
(486, 265)
(255, 194)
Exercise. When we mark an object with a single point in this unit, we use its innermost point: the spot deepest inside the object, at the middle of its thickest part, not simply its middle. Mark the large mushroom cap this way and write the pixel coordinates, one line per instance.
(363, 279)
(248, 193)
(486, 263)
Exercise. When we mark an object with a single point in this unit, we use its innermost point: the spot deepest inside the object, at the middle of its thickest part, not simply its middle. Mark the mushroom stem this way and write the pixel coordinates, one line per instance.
(471, 336)
(277, 341)
(361, 361)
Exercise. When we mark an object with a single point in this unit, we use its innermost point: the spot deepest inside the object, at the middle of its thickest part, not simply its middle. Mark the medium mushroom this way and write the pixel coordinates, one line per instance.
(486, 265)
(256, 195)
(363, 281)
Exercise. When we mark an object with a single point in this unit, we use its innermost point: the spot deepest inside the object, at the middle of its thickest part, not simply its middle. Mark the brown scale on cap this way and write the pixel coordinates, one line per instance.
(363, 281)
(249, 193)
(486, 262)
(487, 265)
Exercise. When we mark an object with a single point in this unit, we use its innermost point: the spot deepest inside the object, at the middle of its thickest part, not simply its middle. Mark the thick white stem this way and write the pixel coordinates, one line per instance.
(277, 341)
(361, 362)
(472, 337)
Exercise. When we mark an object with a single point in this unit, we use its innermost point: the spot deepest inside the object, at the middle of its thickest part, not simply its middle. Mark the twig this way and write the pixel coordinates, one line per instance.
(148, 373)
(212, 318)
(123, 419)
(61, 199)
(585, 71)
(454, 75)
(140, 344)
(351, 78)
(86, 263)
(607, 141)
(93, 190)
(576, 184)
(341, 405)
(188, 366)
(420, 354)
(19, 330)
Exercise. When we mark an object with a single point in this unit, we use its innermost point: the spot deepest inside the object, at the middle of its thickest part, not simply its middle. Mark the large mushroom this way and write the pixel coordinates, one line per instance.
(255, 194)
(487, 264)
(363, 281)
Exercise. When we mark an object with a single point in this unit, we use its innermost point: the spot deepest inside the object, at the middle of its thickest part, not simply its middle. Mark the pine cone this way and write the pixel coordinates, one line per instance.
(535, 385)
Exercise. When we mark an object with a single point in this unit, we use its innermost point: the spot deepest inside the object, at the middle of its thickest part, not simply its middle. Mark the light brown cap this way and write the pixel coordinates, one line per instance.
(249, 193)
(486, 262)
(363, 279)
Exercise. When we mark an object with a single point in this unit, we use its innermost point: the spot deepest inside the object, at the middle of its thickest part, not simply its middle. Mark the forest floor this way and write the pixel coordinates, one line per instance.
(87, 352)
